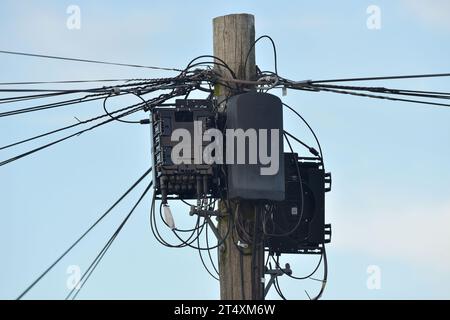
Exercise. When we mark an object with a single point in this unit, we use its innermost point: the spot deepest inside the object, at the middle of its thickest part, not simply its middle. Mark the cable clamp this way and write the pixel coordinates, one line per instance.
(303, 82)
(115, 90)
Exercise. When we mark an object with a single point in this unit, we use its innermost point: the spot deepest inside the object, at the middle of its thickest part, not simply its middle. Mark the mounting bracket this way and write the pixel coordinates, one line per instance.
(277, 272)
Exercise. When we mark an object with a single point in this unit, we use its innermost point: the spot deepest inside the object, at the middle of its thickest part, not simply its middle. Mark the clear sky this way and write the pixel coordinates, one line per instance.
(389, 207)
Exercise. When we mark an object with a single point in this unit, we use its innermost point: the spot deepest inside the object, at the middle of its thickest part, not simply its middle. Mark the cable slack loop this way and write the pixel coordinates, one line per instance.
(274, 52)
(116, 91)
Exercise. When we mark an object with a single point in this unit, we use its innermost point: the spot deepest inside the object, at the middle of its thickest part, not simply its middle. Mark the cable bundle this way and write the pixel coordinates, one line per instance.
(200, 74)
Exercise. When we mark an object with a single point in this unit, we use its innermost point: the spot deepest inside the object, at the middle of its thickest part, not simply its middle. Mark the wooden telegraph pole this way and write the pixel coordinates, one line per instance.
(241, 266)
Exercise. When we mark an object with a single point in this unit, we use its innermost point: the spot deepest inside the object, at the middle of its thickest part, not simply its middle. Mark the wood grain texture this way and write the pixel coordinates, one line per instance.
(234, 36)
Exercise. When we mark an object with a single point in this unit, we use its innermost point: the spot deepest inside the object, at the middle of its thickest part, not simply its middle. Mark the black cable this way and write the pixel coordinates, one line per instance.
(86, 98)
(219, 243)
(178, 91)
(267, 260)
(53, 105)
(274, 52)
(67, 91)
(108, 244)
(310, 129)
(85, 60)
(83, 235)
(384, 97)
(157, 234)
(222, 63)
(103, 89)
(184, 243)
(126, 111)
(116, 118)
(310, 149)
(209, 251)
(187, 244)
(147, 106)
(22, 98)
(154, 229)
(285, 234)
(421, 91)
(62, 129)
(66, 81)
(413, 93)
(277, 262)
(4, 162)
(176, 229)
(212, 75)
(185, 202)
(201, 257)
(382, 78)
(325, 275)
(278, 289)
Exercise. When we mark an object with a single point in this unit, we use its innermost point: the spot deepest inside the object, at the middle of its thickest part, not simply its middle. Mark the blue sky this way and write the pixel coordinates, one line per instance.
(390, 202)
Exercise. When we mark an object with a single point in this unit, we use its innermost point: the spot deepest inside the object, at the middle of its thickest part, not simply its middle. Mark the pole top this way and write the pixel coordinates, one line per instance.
(236, 15)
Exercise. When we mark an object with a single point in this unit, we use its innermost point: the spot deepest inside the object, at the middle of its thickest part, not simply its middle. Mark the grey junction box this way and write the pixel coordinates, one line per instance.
(255, 111)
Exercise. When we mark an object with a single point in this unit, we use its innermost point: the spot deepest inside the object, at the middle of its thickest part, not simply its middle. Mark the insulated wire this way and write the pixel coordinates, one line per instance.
(102, 253)
(382, 78)
(209, 251)
(310, 129)
(83, 235)
(201, 256)
(63, 128)
(424, 94)
(285, 234)
(274, 52)
(87, 98)
(66, 81)
(126, 111)
(86, 60)
(4, 162)
(383, 97)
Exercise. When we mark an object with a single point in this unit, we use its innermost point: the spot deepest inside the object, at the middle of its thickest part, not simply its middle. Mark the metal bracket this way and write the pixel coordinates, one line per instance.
(277, 272)
(327, 181)
(207, 214)
(327, 231)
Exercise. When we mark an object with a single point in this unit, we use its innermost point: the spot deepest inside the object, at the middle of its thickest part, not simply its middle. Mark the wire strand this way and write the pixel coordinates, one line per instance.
(384, 97)
(30, 152)
(86, 60)
(432, 75)
(46, 271)
(108, 244)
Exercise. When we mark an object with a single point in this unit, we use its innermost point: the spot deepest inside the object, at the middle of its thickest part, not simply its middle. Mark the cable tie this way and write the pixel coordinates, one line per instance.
(302, 83)
(242, 245)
